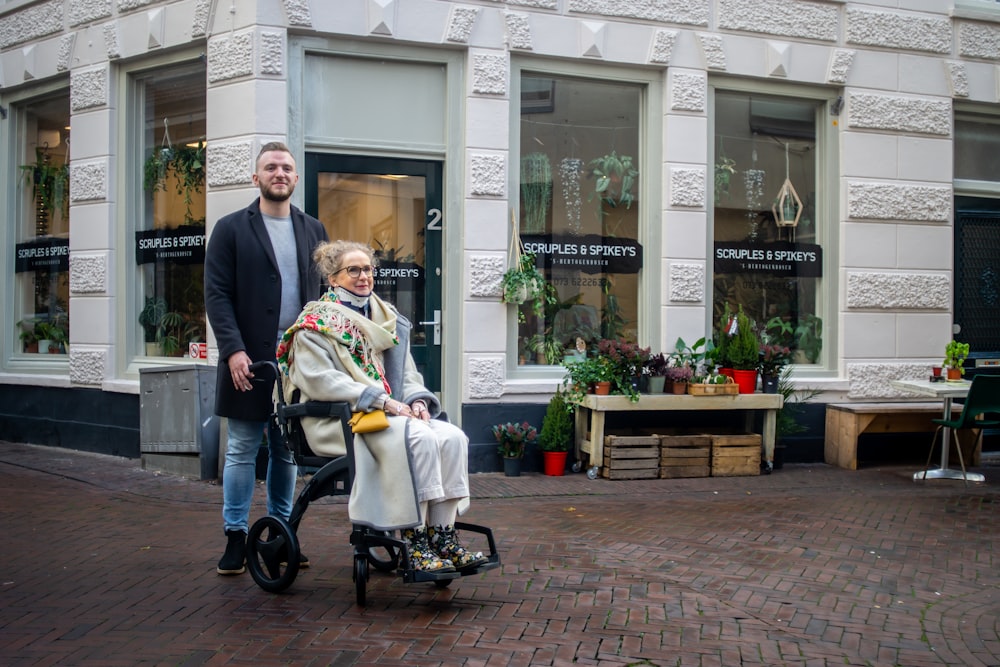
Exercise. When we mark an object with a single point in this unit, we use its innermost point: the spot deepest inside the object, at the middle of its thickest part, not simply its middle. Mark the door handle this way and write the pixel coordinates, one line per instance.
(436, 322)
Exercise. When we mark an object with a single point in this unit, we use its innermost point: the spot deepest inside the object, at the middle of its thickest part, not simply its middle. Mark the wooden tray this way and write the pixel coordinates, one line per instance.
(713, 389)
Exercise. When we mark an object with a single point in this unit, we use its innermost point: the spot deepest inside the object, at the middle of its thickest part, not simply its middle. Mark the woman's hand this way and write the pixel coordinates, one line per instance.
(397, 408)
(420, 410)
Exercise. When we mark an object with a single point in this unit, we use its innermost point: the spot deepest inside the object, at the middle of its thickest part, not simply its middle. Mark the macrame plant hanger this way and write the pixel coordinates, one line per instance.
(787, 208)
(516, 246)
(166, 145)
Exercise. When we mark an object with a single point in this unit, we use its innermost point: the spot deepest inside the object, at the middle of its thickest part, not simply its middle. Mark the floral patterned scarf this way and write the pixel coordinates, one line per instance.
(364, 339)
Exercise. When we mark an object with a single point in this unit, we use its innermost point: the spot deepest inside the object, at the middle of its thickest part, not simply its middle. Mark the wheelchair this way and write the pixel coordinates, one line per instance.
(272, 545)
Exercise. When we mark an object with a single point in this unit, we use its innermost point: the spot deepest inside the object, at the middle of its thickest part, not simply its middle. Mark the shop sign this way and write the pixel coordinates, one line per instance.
(399, 276)
(183, 245)
(46, 254)
(793, 260)
(590, 253)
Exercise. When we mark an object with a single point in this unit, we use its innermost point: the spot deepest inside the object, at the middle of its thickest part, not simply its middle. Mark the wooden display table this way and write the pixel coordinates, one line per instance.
(590, 414)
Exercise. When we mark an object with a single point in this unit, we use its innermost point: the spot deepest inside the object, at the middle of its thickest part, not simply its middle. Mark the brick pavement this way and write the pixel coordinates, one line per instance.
(106, 564)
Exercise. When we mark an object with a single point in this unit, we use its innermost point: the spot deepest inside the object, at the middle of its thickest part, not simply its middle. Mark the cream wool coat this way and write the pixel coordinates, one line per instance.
(384, 493)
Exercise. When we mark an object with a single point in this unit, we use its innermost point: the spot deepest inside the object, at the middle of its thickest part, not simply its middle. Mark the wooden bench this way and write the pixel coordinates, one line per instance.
(846, 421)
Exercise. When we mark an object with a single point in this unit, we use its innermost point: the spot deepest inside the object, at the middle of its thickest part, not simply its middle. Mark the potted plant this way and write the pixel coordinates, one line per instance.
(51, 337)
(556, 435)
(524, 283)
(955, 354)
(679, 377)
(163, 328)
(28, 336)
(809, 337)
(743, 351)
(512, 438)
(656, 368)
(592, 374)
(773, 358)
(627, 360)
(787, 418)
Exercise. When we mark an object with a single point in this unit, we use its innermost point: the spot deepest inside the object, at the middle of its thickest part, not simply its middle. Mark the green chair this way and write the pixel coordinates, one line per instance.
(983, 401)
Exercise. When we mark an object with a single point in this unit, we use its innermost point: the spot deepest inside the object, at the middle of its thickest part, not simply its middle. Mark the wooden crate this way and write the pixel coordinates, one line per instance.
(631, 457)
(736, 455)
(685, 456)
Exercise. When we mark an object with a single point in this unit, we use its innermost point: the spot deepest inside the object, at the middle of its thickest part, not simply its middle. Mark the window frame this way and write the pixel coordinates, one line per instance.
(982, 10)
(827, 207)
(129, 180)
(648, 162)
(10, 133)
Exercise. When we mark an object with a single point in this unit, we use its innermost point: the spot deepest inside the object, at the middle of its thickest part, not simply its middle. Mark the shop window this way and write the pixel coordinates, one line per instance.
(170, 238)
(977, 147)
(42, 222)
(767, 257)
(579, 209)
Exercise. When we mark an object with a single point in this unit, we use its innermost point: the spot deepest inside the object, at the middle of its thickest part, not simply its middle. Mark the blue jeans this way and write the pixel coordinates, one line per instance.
(240, 474)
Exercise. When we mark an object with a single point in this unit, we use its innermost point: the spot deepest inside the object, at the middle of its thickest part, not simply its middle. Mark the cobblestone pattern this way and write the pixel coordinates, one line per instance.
(109, 565)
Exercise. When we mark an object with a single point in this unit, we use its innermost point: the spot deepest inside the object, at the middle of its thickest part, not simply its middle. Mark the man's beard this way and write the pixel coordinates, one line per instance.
(267, 193)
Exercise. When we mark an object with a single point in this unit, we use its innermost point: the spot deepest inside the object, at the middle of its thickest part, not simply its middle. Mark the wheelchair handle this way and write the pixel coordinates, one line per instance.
(272, 371)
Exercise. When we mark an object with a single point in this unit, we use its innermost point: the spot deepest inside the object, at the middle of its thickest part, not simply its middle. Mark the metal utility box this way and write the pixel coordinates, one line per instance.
(178, 429)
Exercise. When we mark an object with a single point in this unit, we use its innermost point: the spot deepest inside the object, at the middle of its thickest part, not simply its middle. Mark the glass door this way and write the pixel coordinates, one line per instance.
(394, 205)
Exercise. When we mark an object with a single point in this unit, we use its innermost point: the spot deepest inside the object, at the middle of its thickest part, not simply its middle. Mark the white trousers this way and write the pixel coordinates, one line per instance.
(440, 454)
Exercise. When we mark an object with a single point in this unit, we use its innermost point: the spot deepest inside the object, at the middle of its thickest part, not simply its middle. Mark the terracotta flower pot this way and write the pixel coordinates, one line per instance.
(602, 388)
(954, 374)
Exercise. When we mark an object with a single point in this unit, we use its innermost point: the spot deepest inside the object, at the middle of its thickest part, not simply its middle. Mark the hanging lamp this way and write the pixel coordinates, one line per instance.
(787, 206)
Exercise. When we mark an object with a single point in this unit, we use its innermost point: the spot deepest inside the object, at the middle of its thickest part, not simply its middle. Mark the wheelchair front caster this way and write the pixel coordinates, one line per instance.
(273, 559)
(361, 577)
(577, 466)
(592, 472)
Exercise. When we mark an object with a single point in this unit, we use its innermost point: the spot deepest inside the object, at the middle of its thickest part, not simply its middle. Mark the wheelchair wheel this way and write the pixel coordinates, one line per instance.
(384, 559)
(272, 558)
(360, 577)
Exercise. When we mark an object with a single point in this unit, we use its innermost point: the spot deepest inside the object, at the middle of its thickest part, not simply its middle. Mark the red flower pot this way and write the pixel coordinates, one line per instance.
(554, 463)
(746, 381)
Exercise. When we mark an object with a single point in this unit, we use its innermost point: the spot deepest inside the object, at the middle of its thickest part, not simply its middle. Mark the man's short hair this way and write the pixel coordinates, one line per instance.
(273, 146)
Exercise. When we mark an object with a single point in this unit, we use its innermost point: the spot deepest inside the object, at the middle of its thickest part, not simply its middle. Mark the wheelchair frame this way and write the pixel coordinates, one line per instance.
(272, 543)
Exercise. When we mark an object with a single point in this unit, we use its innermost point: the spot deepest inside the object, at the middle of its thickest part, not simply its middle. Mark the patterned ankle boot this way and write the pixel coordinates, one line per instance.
(422, 556)
(444, 540)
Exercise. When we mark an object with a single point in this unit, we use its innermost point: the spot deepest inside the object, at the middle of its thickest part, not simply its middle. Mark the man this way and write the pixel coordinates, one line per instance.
(258, 276)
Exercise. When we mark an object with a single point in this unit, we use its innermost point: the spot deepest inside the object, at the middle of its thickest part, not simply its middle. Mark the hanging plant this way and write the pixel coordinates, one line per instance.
(186, 163)
(725, 169)
(49, 187)
(570, 170)
(536, 190)
(523, 282)
(615, 178)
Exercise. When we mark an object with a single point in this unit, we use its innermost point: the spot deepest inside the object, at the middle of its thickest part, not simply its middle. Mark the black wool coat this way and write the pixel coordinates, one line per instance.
(243, 299)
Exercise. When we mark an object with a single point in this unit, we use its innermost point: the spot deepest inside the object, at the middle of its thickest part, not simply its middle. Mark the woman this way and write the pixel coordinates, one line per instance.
(352, 346)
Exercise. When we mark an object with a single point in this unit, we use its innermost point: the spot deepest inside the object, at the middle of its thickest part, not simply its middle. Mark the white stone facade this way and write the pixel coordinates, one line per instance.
(897, 71)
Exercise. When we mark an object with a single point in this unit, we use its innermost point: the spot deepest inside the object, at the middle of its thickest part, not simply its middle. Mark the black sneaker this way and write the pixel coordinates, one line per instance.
(234, 560)
(303, 561)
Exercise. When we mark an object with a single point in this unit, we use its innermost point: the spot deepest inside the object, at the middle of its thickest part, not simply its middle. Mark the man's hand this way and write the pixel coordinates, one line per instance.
(239, 369)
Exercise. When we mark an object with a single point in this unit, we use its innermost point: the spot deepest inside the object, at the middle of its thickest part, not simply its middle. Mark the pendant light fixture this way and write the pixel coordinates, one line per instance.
(787, 206)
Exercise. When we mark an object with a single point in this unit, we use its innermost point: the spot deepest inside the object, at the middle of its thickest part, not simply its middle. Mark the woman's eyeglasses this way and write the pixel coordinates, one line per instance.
(356, 271)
